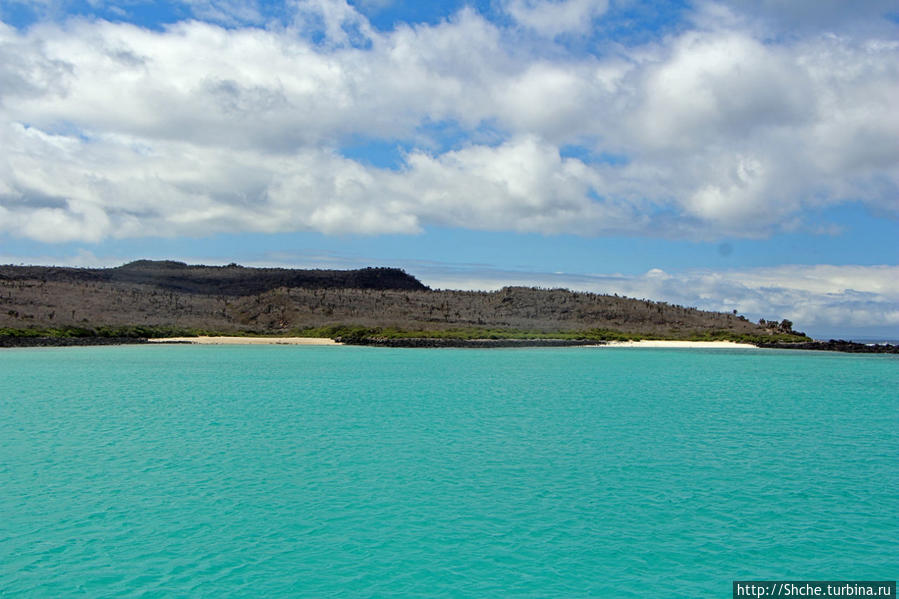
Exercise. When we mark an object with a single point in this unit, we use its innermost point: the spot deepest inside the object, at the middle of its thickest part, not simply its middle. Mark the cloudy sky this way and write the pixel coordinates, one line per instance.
(741, 154)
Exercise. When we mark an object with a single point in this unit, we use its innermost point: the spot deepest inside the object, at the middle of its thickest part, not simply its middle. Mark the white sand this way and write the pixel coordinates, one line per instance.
(248, 340)
(686, 344)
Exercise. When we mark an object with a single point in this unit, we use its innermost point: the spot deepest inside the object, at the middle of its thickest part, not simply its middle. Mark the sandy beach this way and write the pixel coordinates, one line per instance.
(682, 344)
(248, 340)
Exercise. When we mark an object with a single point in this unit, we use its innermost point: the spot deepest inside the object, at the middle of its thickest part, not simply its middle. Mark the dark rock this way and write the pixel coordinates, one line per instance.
(836, 345)
(23, 341)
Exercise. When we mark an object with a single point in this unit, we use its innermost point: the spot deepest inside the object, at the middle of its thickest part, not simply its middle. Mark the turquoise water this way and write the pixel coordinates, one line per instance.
(189, 471)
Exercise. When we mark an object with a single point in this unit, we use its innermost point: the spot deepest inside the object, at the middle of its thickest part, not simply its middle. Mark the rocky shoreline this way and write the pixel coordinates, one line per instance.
(24, 341)
(839, 345)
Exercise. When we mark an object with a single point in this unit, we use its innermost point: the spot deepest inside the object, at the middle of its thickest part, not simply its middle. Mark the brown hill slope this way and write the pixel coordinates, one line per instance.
(238, 299)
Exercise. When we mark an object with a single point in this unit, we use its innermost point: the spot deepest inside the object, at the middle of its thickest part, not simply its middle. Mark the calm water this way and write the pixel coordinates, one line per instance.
(360, 472)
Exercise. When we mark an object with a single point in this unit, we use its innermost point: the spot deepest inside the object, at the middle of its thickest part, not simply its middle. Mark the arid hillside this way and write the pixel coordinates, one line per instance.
(238, 299)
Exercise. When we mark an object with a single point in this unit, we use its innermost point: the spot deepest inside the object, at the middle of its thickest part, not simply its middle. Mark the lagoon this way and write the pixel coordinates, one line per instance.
(270, 471)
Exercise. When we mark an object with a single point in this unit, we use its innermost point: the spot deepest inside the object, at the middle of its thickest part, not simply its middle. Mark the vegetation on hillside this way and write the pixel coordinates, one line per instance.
(173, 299)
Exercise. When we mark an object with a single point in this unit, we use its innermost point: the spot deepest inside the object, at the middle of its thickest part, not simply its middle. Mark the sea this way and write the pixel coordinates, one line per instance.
(290, 471)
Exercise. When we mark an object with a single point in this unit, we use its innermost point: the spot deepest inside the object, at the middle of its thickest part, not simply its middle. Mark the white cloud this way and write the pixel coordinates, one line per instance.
(111, 130)
(555, 17)
(746, 135)
(720, 85)
(523, 185)
(336, 20)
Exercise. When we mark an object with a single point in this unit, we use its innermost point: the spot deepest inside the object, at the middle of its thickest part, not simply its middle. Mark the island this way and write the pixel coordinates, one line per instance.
(143, 300)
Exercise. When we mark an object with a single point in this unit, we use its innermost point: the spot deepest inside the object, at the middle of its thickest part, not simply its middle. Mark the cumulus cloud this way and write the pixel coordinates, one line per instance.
(338, 22)
(555, 17)
(523, 184)
(113, 130)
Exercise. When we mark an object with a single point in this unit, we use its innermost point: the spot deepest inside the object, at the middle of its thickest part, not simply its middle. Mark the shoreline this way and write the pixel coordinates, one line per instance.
(682, 344)
(206, 340)
(439, 342)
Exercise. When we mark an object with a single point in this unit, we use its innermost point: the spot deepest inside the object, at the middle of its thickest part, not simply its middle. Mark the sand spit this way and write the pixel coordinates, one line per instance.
(682, 344)
(247, 340)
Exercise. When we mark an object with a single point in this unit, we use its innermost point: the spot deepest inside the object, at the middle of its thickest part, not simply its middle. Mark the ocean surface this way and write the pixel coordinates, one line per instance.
(271, 471)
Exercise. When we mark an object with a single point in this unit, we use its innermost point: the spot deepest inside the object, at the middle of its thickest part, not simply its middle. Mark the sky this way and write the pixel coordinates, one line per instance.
(729, 155)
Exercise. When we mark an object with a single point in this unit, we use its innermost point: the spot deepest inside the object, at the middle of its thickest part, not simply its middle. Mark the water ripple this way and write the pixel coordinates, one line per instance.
(335, 472)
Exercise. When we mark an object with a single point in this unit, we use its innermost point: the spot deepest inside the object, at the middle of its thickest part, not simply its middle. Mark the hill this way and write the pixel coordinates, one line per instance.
(149, 298)
(233, 280)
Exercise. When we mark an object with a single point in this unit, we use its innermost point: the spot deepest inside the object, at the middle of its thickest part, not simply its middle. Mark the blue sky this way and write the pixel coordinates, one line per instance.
(723, 154)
